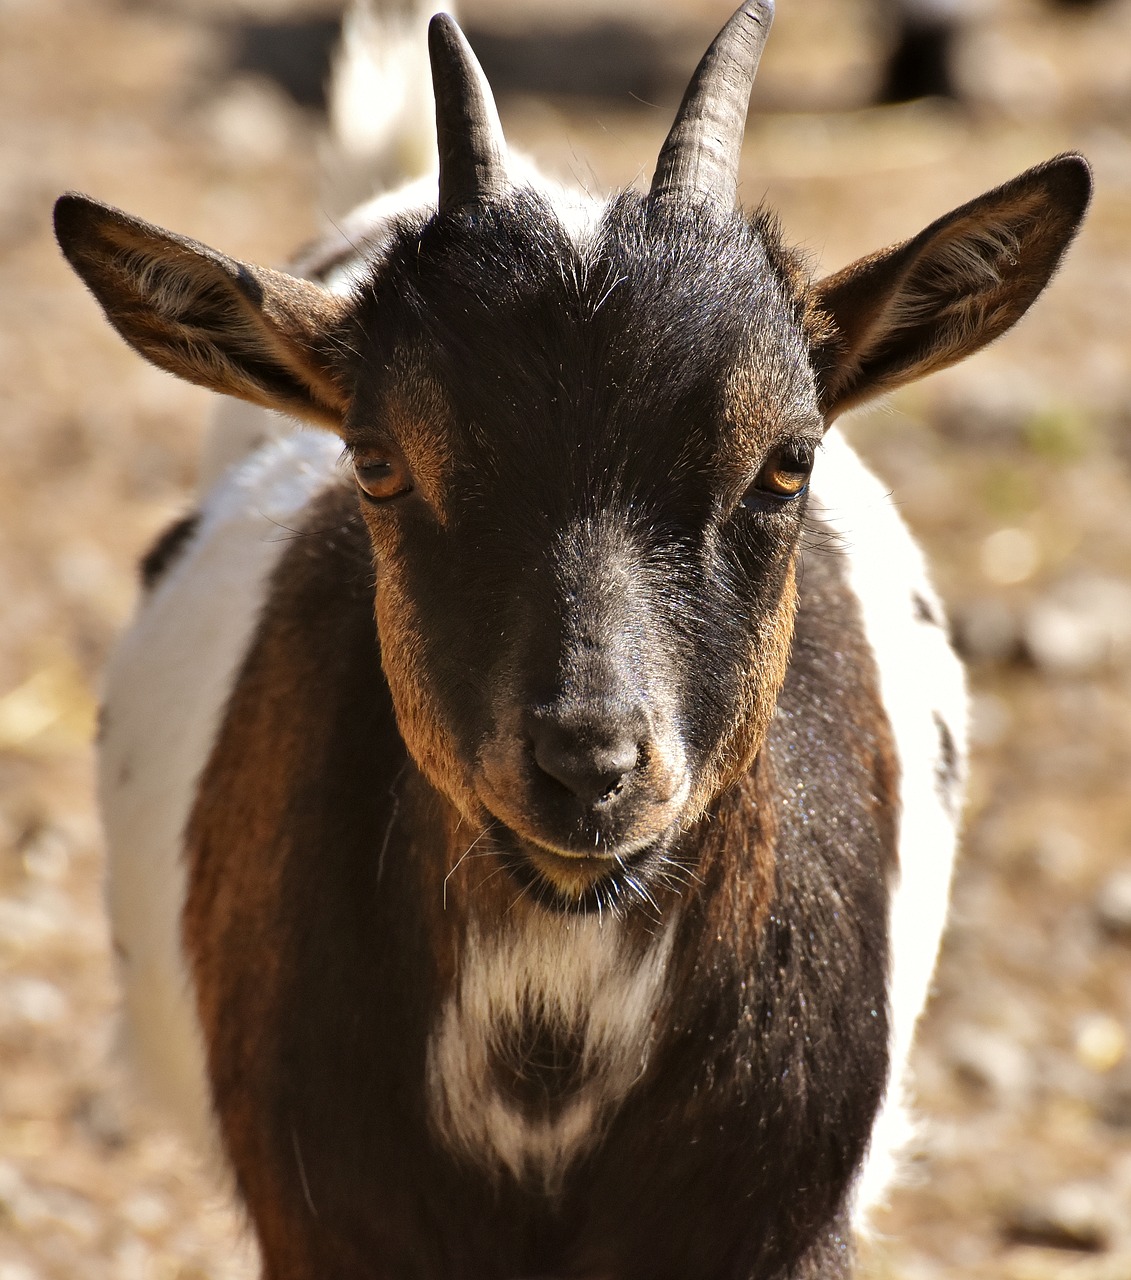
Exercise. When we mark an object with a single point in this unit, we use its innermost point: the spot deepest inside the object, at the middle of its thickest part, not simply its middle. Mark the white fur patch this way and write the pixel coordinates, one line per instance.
(238, 429)
(166, 688)
(382, 112)
(920, 679)
(575, 976)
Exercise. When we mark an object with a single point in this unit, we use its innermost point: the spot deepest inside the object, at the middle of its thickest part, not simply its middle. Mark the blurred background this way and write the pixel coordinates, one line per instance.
(1015, 470)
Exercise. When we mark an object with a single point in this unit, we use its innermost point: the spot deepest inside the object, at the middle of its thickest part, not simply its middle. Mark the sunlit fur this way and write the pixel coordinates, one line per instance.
(578, 984)
(715, 372)
(453, 1010)
(191, 633)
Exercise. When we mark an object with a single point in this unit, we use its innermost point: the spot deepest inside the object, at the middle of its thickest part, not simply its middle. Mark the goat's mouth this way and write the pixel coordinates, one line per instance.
(583, 858)
(585, 883)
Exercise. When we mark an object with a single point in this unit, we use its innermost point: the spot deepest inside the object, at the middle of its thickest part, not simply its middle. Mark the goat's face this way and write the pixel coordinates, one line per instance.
(583, 463)
(583, 469)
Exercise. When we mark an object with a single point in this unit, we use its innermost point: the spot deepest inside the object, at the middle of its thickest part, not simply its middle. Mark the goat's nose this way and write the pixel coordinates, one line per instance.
(590, 765)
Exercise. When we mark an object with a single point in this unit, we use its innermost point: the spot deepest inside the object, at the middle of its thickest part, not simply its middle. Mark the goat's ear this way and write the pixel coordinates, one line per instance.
(244, 330)
(923, 304)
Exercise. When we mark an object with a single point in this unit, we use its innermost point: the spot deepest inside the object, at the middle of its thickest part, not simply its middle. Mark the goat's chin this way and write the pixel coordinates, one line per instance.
(566, 881)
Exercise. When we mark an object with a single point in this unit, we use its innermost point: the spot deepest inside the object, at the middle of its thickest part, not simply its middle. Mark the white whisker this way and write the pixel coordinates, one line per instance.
(485, 832)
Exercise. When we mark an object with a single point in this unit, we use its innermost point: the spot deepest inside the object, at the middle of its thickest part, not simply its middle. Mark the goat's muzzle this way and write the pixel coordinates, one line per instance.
(583, 793)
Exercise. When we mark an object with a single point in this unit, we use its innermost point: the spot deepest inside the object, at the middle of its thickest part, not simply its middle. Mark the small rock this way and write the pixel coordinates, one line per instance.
(1114, 1106)
(23, 1205)
(17, 1271)
(31, 1001)
(84, 571)
(991, 1062)
(34, 919)
(1100, 1043)
(986, 630)
(146, 1211)
(1059, 854)
(1081, 626)
(76, 1214)
(1075, 1217)
(46, 855)
(1113, 905)
(97, 1112)
(1009, 556)
(990, 720)
(250, 122)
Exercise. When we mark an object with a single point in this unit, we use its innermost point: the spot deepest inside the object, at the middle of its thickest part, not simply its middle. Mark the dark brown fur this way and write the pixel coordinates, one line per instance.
(587, 446)
(311, 927)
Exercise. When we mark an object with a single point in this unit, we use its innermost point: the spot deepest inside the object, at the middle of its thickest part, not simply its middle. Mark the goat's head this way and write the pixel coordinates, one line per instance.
(583, 456)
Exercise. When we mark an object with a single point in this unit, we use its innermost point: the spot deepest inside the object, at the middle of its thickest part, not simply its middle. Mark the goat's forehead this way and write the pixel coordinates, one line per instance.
(658, 323)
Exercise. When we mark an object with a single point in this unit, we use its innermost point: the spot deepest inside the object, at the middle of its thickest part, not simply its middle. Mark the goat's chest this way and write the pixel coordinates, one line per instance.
(548, 1025)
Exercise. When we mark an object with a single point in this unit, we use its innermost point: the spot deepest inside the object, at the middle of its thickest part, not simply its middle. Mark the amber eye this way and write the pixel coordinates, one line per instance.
(382, 478)
(785, 473)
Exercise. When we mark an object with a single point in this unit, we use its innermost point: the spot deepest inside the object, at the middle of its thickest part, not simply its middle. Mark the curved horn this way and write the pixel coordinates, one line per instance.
(470, 137)
(700, 156)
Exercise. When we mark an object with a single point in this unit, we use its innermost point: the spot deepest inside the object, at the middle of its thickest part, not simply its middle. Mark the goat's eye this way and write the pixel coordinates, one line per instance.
(785, 473)
(382, 478)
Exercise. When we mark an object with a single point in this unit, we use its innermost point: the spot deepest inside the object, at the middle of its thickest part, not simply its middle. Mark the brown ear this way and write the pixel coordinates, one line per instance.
(244, 330)
(926, 303)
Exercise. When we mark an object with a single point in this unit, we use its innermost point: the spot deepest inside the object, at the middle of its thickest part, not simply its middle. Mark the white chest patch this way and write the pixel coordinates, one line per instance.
(548, 1027)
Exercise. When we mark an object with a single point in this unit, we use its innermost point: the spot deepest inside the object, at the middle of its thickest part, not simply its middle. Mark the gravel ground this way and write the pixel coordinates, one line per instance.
(1015, 470)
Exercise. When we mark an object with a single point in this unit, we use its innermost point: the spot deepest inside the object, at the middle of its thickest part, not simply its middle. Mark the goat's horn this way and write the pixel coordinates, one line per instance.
(470, 137)
(701, 154)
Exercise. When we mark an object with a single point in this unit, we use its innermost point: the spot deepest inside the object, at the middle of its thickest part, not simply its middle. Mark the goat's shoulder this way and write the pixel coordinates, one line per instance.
(856, 538)
(167, 689)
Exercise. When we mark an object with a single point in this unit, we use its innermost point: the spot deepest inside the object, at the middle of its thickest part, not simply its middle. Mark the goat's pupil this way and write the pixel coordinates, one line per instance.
(785, 474)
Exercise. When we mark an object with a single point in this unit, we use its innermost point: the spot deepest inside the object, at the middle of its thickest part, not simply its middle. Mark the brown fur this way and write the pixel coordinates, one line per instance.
(231, 921)
(244, 330)
(766, 673)
(419, 716)
(922, 305)
(414, 412)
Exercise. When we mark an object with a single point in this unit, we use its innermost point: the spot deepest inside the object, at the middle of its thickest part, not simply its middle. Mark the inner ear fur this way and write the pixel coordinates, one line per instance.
(930, 301)
(244, 330)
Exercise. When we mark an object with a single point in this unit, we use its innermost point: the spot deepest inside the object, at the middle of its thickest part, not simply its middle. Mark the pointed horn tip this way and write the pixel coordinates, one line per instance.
(443, 30)
(762, 11)
(758, 12)
(700, 156)
(469, 135)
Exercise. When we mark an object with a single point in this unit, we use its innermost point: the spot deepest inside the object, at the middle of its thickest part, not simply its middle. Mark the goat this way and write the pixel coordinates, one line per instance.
(573, 918)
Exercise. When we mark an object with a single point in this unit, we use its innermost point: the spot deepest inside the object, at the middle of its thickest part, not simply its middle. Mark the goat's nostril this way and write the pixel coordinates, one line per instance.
(591, 771)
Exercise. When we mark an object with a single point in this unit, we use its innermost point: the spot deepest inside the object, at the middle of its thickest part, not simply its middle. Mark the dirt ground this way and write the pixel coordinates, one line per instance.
(1015, 470)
